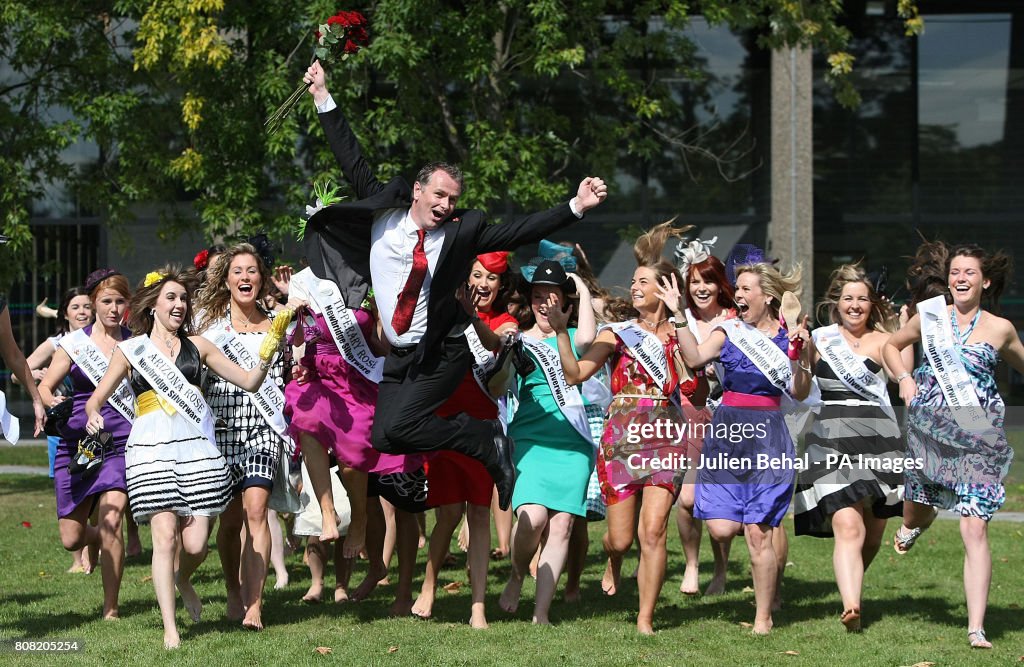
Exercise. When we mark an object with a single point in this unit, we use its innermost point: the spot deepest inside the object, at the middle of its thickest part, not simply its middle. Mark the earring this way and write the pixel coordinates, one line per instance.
(152, 312)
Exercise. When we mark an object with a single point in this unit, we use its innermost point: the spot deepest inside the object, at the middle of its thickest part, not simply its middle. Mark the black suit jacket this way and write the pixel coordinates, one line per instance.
(337, 240)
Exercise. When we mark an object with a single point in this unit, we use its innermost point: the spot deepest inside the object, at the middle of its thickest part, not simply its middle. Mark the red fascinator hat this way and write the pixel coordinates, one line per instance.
(495, 262)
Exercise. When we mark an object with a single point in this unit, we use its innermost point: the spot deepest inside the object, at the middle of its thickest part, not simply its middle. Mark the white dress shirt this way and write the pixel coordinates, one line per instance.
(392, 240)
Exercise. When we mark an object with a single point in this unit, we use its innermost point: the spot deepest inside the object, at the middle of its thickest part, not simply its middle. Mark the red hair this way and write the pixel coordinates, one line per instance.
(712, 271)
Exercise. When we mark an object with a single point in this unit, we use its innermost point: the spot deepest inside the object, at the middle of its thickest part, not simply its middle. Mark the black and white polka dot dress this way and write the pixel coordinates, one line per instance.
(248, 443)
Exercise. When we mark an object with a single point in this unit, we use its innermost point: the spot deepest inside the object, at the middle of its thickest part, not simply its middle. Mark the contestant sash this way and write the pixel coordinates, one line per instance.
(168, 382)
(762, 352)
(566, 397)
(483, 360)
(268, 399)
(850, 370)
(325, 298)
(954, 380)
(87, 356)
(9, 423)
(647, 350)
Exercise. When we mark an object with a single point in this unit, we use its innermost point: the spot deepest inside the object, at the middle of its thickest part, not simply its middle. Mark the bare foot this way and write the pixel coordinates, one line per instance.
(189, 597)
(329, 527)
(87, 560)
(253, 620)
(236, 610)
(612, 576)
(401, 607)
(340, 594)
(76, 568)
(691, 583)
(645, 628)
(477, 618)
(509, 600)
(463, 540)
(541, 620)
(315, 593)
(717, 585)
(572, 595)
(355, 540)
(762, 627)
(424, 605)
(171, 640)
(851, 619)
(134, 547)
(110, 614)
(373, 577)
(280, 581)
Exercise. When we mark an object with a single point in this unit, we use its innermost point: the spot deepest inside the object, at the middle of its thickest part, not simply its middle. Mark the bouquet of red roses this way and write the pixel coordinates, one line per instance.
(343, 35)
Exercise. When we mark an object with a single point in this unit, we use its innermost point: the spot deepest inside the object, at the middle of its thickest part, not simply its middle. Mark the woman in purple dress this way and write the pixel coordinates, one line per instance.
(83, 356)
(737, 489)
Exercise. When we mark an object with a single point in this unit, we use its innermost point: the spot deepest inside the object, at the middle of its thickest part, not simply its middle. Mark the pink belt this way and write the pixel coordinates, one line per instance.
(740, 400)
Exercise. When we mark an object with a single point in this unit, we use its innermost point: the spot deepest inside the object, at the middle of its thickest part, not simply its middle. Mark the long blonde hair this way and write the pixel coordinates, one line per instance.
(882, 317)
(213, 298)
(773, 282)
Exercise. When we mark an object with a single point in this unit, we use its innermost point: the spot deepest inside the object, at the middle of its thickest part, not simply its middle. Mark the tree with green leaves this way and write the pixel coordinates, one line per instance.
(524, 94)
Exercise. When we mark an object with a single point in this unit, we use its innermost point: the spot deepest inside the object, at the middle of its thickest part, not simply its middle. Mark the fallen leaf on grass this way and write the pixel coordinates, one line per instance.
(146, 578)
(452, 587)
(923, 664)
(392, 649)
(744, 624)
(790, 652)
(323, 650)
(1004, 560)
(748, 589)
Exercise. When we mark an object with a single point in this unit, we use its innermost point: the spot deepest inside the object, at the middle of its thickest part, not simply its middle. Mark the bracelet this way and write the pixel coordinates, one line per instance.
(678, 324)
(902, 376)
(265, 365)
(805, 369)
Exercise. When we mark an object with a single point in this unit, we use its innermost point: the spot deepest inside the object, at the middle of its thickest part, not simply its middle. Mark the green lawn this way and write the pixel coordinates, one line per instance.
(914, 611)
(23, 455)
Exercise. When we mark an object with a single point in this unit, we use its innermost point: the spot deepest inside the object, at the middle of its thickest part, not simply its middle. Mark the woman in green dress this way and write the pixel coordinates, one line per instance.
(553, 458)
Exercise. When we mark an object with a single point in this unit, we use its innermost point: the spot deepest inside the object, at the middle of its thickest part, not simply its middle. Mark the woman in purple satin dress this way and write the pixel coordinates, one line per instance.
(78, 494)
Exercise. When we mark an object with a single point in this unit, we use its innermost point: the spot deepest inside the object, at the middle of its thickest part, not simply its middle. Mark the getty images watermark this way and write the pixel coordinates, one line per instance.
(670, 433)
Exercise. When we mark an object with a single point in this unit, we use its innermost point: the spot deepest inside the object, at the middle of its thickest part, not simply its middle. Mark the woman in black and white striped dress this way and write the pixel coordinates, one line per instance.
(249, 437)
(177, 478)
(853, 482)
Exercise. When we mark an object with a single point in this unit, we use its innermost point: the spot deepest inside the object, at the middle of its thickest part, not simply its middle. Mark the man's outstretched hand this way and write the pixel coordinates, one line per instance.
(592, 192)
(318, 82)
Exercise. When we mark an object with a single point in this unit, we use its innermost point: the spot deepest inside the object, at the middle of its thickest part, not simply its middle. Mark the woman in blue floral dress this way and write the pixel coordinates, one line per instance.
(955, 424)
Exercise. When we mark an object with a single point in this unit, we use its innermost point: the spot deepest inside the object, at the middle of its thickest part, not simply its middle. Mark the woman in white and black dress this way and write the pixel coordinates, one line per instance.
(230, 307)
(853, 484)
(177, 478)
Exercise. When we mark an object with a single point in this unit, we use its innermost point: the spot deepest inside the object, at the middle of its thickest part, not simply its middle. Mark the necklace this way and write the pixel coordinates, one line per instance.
(854, 342)
(169, 342)
(653, 325)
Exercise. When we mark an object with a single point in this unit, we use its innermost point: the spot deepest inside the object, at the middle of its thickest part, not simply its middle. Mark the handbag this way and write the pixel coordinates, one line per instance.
(283, 498)
(57, 417)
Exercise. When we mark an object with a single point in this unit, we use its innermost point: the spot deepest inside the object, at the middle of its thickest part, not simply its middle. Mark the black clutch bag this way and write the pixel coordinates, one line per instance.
(57, 417)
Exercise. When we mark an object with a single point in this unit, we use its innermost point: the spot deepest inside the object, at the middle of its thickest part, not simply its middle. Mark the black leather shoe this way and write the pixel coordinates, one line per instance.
(504, 471)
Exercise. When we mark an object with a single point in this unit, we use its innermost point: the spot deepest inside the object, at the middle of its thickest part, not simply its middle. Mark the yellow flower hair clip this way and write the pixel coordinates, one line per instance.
(152, 278)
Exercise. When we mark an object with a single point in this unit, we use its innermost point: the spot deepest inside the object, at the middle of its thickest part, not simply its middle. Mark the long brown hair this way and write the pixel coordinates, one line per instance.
(140, 321)
(213, 297)
(881, 317)
(648, 251)
(995, 267)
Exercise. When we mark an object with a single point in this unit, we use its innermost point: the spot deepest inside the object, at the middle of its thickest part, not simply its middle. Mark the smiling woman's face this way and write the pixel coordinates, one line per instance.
(244, 280)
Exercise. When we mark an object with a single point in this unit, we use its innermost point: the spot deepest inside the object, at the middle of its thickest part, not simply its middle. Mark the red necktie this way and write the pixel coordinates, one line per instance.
(406, 305)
